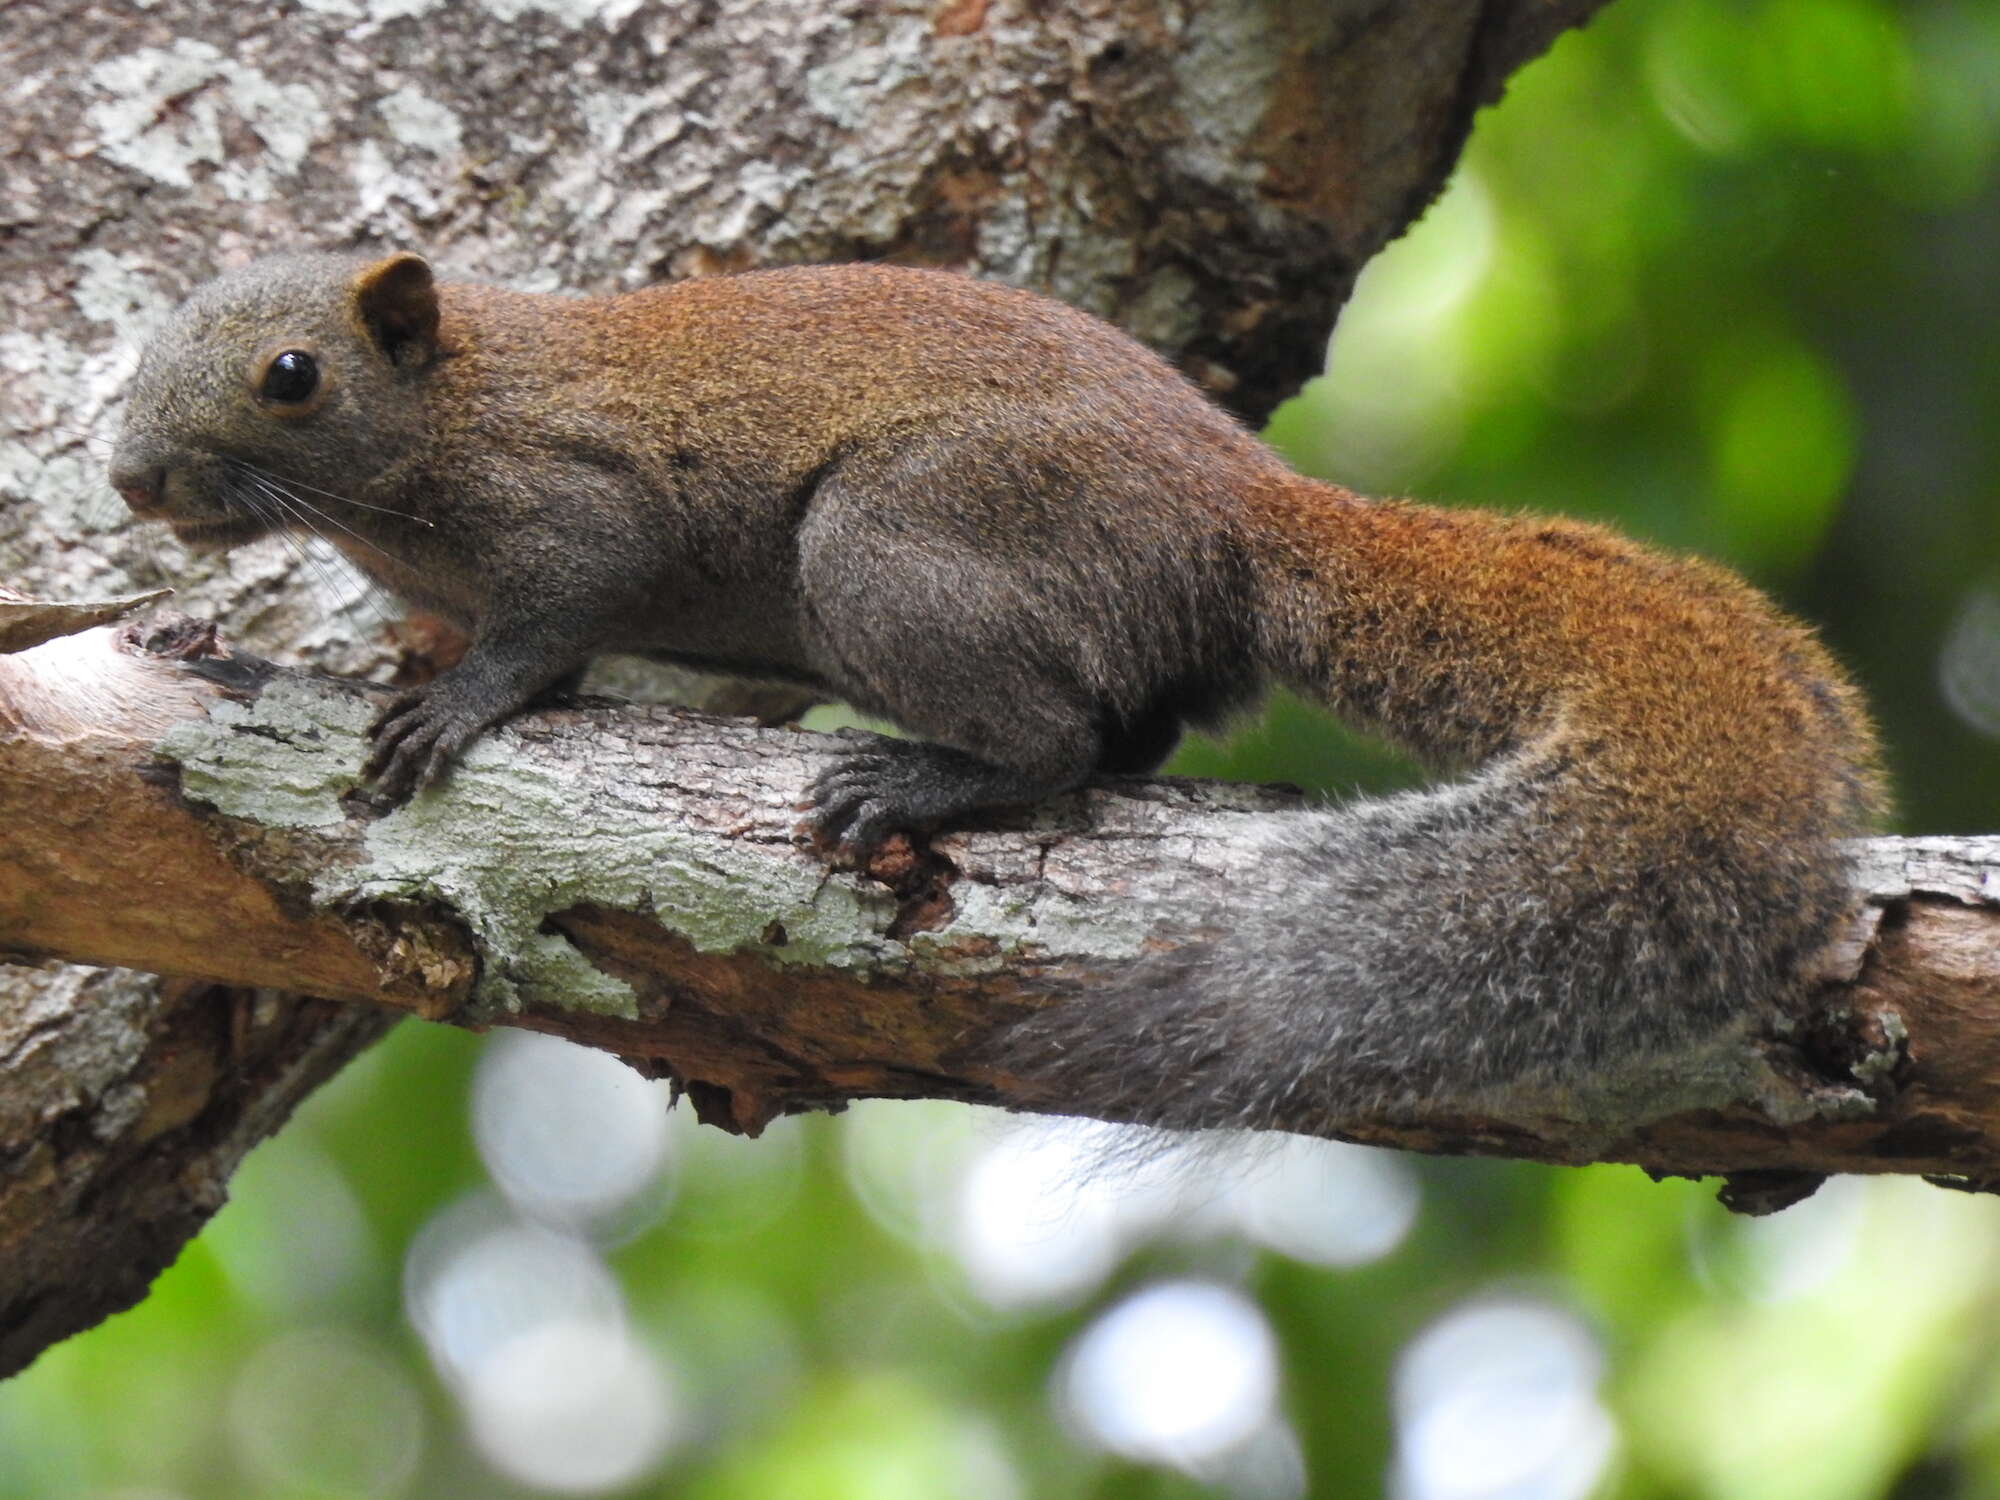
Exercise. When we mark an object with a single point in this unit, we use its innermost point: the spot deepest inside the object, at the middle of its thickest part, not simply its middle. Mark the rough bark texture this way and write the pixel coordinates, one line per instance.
(1211, 175)
(128, 1104)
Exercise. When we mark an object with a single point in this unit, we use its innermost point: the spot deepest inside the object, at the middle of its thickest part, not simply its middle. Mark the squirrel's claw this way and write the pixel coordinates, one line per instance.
(854, 807)
(417, 736)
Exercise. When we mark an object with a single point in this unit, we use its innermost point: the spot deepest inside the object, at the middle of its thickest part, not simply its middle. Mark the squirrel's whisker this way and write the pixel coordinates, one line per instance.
(81, 434)
(299, 484)
(296, 507)
(303, 510)
(288, 512)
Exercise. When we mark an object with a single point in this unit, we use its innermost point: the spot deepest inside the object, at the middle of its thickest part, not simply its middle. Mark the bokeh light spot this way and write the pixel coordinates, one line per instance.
(1328, 1203)
(573, 1405)
(1044, 1213)
(476, 1277)
(1178, 1374)
(1969, 662)
(568, 1133)
(902, 1158)
(1498, 1401)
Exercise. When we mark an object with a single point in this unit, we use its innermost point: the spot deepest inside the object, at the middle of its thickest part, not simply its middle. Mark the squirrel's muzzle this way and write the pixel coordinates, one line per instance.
(143, 487)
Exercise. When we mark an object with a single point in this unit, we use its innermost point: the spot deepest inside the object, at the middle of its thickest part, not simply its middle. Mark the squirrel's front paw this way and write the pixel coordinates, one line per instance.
(416, 737)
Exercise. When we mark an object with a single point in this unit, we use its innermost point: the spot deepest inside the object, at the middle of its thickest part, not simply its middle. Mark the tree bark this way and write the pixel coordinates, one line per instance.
(636, 879)
(1210, 175)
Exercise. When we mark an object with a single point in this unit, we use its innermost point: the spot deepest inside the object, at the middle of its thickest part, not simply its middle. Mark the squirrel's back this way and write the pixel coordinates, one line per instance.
(825, 358)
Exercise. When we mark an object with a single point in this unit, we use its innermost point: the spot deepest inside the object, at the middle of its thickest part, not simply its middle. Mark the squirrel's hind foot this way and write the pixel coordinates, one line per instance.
(908, 786)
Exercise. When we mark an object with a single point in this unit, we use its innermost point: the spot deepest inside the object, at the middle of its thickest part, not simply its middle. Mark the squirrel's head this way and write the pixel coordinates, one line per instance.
(296, 378)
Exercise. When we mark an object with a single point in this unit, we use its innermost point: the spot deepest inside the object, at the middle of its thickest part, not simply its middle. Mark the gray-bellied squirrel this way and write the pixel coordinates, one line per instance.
(1009, 529)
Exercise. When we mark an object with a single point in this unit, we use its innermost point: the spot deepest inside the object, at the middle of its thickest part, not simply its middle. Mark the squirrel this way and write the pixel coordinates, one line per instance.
(1028, 541)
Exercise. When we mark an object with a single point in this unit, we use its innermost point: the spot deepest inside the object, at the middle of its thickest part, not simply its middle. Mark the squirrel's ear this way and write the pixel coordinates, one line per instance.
(396, 301)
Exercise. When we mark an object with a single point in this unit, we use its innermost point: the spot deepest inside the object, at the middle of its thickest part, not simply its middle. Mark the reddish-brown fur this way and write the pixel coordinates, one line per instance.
(1702, 710)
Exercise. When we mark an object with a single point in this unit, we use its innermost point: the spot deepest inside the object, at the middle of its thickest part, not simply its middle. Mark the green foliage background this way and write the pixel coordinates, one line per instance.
(1723, 273)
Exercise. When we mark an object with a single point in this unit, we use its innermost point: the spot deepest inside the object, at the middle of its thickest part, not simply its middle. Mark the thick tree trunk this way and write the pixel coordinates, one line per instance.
(1210, 175)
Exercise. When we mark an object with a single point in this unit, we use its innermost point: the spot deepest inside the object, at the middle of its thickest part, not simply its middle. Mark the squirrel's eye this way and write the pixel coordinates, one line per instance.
(290, 377)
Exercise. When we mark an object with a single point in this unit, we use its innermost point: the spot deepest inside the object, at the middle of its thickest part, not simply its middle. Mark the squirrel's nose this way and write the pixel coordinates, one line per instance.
(141, 487)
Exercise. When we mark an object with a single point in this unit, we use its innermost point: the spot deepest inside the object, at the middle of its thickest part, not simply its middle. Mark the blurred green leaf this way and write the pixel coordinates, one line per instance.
(1781, 448)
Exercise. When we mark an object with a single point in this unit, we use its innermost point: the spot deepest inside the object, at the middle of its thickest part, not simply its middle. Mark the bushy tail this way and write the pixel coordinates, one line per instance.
(1391, 956)
(1646, 848)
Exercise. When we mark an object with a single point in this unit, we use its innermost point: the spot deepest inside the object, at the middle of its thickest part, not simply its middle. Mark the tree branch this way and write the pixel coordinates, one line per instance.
(634, 879)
